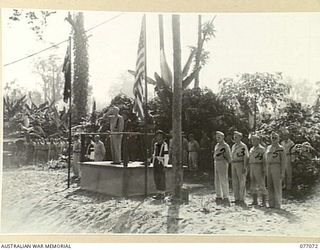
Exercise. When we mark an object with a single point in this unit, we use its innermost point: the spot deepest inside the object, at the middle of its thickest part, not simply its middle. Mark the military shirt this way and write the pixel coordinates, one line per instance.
(256, 155)
(222, 152)
(161, 153)
(288, 145)
(193, 146)
(239, 152)
(276, 155)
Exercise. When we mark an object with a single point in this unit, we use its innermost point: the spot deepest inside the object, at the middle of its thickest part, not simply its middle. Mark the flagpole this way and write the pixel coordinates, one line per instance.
(70, 100)
(146, 107)
(161, 32)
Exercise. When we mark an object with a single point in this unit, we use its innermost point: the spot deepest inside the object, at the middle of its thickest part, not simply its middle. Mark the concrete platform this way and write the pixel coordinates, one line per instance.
(117, 180)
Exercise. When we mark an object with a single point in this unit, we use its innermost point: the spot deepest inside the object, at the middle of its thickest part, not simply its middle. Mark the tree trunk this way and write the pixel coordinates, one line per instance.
(177, 107)
(198, 55)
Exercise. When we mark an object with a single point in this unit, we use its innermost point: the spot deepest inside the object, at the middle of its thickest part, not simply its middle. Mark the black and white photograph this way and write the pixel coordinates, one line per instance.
(160, 123)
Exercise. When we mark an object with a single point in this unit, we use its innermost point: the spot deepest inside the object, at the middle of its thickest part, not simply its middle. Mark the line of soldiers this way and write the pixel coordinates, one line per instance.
(259, 162)
(39, 150)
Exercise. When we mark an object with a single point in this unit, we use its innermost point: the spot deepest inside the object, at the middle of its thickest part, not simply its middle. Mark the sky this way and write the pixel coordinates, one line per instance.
(244, 42)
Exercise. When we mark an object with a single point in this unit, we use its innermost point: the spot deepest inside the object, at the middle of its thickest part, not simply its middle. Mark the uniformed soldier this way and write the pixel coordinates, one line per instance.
(193, 149)
(205, 154)
(76, 157)
(160, 161)
(51, 149)
(288, 146)
(276, 161)
(45, 148)
(99, 149)
(257, 170)
(116, 125)
(239, 156)
(222, 158)
(90, 149)
(184, 149)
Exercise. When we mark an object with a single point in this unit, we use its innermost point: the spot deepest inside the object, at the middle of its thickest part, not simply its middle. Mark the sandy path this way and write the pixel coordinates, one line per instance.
(36, 201)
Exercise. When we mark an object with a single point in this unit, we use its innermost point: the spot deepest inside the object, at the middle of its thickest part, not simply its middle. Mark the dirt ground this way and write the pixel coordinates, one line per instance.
(37, 201)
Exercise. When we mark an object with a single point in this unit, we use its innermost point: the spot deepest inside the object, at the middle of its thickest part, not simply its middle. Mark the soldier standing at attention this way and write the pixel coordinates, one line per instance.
(222, 158)
(99, 149)
(116, 125)
(276, 161)
(193, 149)
(205, 155)
(257, 170)
(239, 156)
(288, 145)
(76, 157)
(160, 161)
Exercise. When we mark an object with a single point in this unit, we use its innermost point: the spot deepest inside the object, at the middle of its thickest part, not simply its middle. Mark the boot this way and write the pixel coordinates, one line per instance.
(219, 201)
(226, 202)
(243, 204)
(264, 203)
(255, 200)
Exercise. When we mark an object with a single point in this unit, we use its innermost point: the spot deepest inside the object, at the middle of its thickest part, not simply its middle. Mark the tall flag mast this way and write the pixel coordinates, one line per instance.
(140, 107)
(67, 69)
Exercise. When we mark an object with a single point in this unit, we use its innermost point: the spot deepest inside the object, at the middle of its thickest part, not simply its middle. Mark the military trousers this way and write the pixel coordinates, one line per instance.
(238, 181)
(76, 165)
(159, 175)
(221, 181)
(116, 141)
(193, 161)
(257, 179)
(274, 185)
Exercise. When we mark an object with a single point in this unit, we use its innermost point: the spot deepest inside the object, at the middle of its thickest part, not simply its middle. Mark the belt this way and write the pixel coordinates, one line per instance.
(256, 163)
(220, 160)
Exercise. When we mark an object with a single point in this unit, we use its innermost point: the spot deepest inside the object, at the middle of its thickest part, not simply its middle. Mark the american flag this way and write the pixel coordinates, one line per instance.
(66, 69)
(140, 73)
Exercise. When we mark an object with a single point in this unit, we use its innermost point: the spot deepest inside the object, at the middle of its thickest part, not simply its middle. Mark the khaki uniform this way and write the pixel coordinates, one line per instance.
(76, 159)
(239, 156)
(276, 164)
(116, 125)
(222, 158)
(99, 151)
(257, 170)
(193, 148)
(288, 146)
